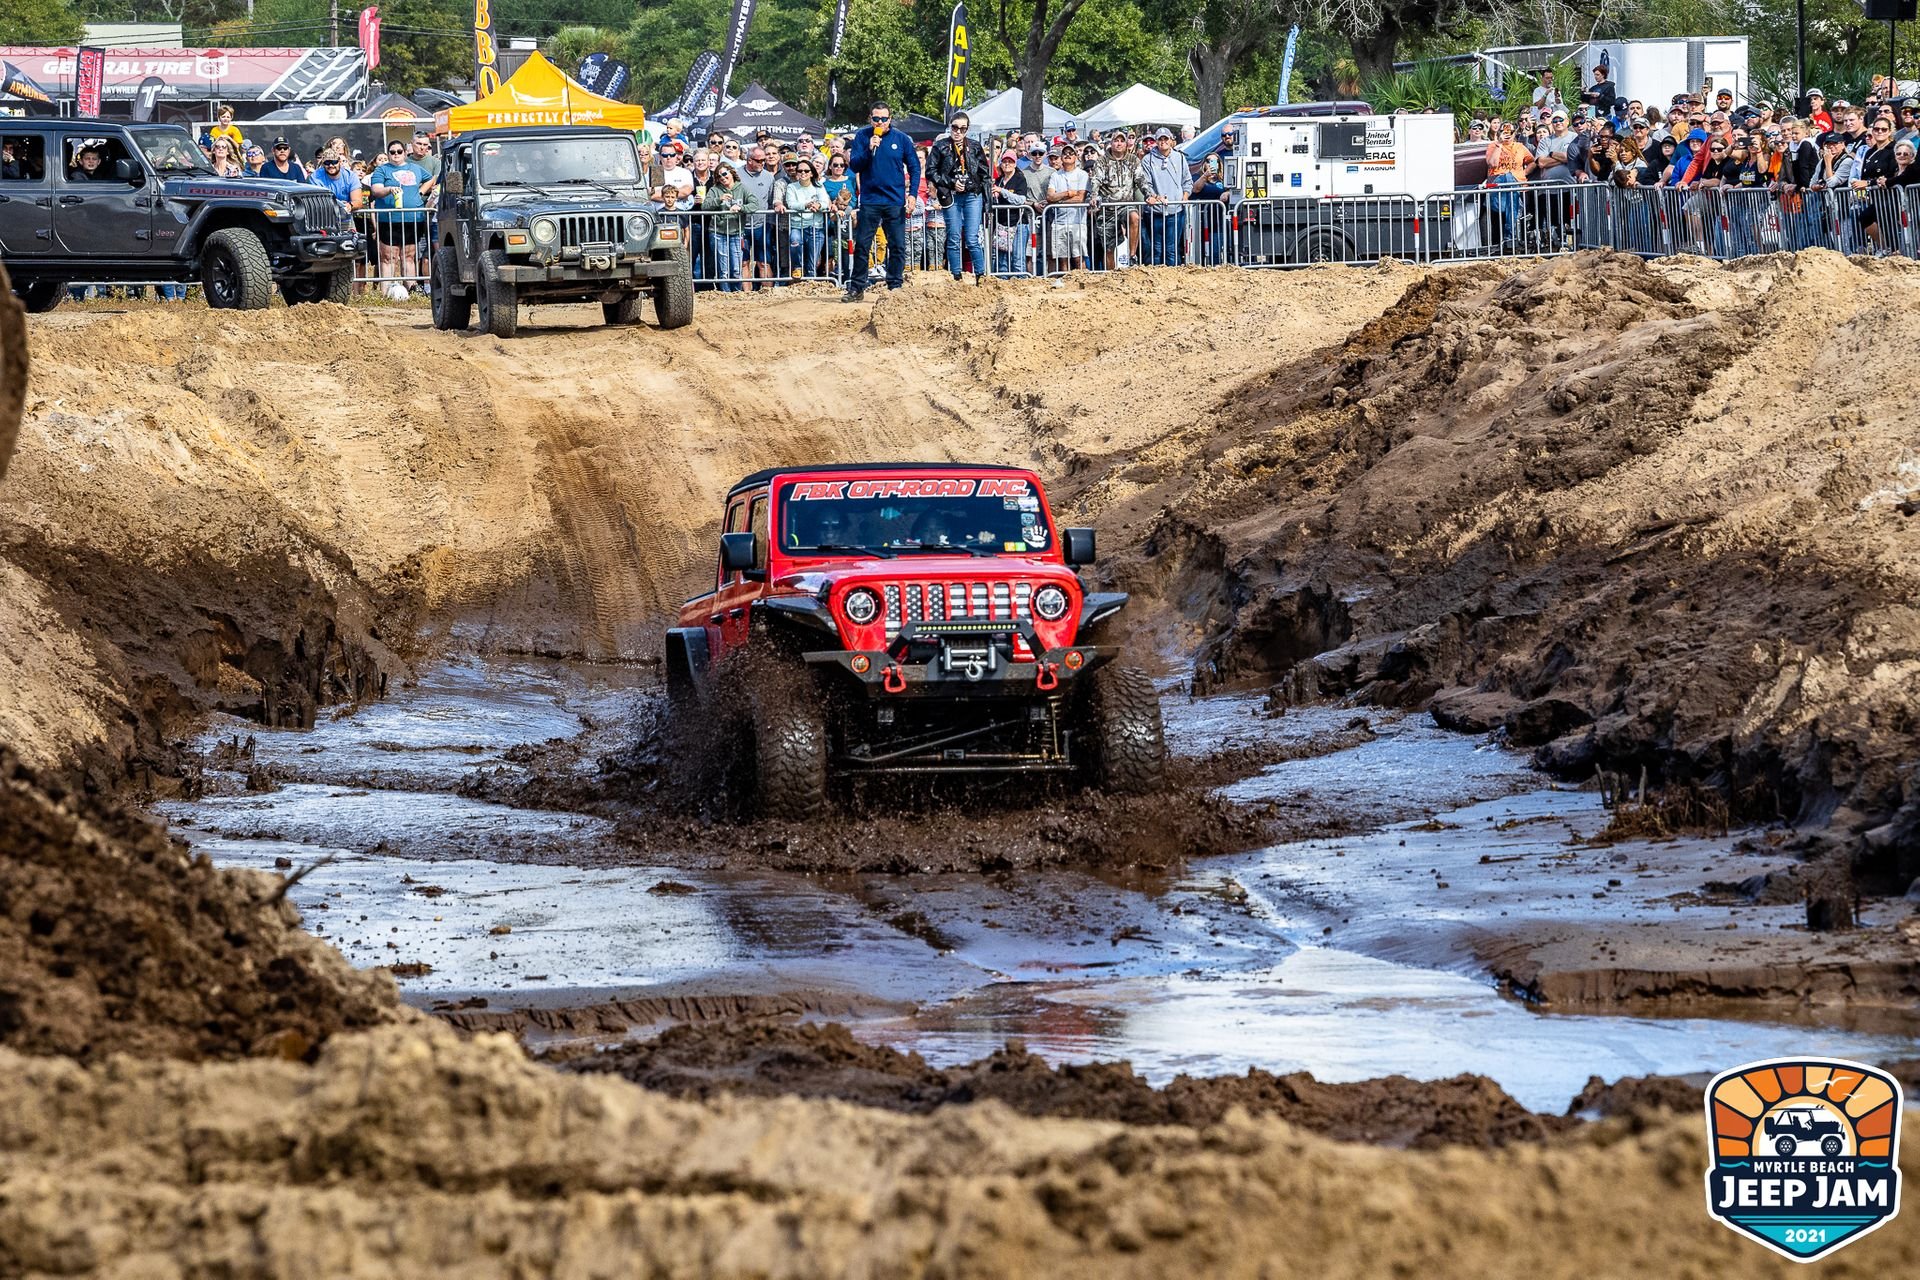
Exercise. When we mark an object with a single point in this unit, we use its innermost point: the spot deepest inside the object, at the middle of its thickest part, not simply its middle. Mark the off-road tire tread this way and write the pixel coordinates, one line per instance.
(339, 287)
(41, 296)
(250, 256)
(1128, 741)
(631, 309)
(673, 294)
(501, 314)
(789, 729)
(452, 304)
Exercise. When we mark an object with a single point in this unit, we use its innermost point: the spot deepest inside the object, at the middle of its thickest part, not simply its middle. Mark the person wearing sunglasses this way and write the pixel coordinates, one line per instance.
(886, 171)
(282, 164)
(400, 210)
(958, 172)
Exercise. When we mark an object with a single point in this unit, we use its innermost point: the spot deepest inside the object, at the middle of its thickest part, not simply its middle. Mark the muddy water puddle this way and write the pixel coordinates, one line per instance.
(1349, 958)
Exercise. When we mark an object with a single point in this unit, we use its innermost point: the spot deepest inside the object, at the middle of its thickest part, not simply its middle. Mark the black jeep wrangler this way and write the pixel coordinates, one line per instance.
(557, 214)
(84, 201)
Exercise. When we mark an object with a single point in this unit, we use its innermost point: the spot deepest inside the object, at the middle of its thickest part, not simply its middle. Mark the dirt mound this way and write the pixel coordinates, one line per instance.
(1653, 513)
(13, 368)
(1637, 1095)
(823, 1060)
(410, 1153)
(114, 939)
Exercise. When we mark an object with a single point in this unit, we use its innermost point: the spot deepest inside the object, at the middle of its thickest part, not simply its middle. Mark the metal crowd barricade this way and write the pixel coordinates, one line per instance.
(1012, 241)
(399, 247)
(1355, 229)
(1524, 220)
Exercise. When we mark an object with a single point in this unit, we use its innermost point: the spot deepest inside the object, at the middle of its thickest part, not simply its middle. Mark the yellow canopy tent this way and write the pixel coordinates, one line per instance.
(539, 93)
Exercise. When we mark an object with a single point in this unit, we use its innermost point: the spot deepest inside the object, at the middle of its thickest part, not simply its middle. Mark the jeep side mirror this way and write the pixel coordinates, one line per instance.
(129, 172)
(1079, 546)
(455, 183)
(736, 552)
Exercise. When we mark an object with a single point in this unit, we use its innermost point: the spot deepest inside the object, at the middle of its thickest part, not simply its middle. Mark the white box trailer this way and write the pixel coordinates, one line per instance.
(1336, 188)
(1655, 70)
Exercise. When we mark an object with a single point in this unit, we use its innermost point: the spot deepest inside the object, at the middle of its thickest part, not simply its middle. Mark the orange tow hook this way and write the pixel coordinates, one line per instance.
(1048, 677)
(895, 680)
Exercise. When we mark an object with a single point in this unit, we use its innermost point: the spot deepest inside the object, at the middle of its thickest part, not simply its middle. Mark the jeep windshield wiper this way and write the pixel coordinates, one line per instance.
(882, 552)
(586, 182)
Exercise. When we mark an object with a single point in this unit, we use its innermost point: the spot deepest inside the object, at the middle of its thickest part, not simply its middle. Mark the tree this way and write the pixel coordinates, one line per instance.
(883, 60)
(1218, 36)
(39, 22)
(1030, 31)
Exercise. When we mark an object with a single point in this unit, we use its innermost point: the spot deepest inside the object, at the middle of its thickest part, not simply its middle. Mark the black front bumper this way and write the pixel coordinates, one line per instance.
(927, 660)
(601, 269)
(327, 250)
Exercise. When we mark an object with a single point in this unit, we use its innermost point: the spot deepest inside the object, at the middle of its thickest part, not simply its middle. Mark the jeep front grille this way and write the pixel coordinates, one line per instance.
(1005, 602)
(578, 229)
(320, 212)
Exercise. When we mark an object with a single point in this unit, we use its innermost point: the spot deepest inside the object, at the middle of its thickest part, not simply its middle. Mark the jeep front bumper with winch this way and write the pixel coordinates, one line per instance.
(952, 660)
(589, 265)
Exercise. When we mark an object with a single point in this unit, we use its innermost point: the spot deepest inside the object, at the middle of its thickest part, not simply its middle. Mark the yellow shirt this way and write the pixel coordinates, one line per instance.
(231, 133)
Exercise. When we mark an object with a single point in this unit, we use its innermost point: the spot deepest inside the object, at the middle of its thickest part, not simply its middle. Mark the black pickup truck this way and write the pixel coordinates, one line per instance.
(85, 201)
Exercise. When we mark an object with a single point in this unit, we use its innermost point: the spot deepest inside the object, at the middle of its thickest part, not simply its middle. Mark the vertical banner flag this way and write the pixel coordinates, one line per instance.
(1286, 65)
(146, 99)
(736, 36)
(370, 35)
(959, 53)
(486, 71)
(16, 83)
(699, 80)
(92, 66)
(833, 59)
(604, 74)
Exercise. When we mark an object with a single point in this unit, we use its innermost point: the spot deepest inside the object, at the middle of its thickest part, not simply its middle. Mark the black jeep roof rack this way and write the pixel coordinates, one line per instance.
(761, 477)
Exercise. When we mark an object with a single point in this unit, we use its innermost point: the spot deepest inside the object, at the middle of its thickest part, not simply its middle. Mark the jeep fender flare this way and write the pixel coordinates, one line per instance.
(688, 660)
(1096, 608)
(215, 215)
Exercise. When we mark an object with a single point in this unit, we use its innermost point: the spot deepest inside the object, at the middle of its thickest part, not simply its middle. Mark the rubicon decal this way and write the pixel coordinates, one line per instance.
(1805, 1152)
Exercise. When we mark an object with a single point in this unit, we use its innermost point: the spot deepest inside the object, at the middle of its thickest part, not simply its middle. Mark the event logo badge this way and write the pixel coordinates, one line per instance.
(1805, 1152)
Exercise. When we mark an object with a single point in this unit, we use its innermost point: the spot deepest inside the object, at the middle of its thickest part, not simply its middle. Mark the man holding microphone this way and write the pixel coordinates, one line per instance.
(886, 169)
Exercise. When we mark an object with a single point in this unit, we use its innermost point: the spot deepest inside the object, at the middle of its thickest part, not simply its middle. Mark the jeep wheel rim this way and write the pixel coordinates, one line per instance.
(223, 281)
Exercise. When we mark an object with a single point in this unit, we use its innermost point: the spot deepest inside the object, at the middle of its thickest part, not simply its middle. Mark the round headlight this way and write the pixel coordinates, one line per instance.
(638, 227)
(862, 606)
(1050, 603)
(545, 230)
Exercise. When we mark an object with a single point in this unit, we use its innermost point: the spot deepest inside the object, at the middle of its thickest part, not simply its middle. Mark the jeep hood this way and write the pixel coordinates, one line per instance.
(586, 200)
(207, 187)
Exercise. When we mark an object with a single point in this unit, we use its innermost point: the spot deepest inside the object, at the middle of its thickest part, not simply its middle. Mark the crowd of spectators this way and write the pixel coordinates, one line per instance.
(1708, 142)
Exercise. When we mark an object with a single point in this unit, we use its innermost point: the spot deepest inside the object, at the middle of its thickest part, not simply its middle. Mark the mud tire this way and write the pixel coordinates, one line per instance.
(629, 310)
(331, 286)
(452, 302)
(673, 294)
(499, 301)
(1126, 744)
(235, 272)
(40, 297)
(788, 724)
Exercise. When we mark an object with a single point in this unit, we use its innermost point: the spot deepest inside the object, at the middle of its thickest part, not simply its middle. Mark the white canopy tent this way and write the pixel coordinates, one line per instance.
(1138, 105)
(1001, 113)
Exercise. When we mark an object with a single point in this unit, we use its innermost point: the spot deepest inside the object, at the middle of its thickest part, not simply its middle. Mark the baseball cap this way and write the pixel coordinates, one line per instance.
(1829, 137)
(1698, 135)
(280, 141)
(1074, 127)
(1815, 93)
(1911, 102)
(1163, 133)
(1036, 148)
(1724, 93)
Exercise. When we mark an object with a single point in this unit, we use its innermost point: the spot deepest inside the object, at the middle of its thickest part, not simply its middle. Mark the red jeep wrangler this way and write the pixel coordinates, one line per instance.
(907, 618)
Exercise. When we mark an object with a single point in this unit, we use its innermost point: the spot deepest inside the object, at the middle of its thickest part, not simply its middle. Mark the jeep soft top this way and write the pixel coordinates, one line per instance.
(908, 617)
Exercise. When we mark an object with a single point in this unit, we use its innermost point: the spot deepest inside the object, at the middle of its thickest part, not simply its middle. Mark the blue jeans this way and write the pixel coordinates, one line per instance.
(759, 246)
(723, 260)
(1166, 236)
(1508, 206)
(808, 244)
(963, 224)
(891, 218)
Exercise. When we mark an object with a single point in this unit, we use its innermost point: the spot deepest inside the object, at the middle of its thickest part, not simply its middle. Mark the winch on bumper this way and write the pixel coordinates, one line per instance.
(935, 659)
(590, 264)
(326, 249)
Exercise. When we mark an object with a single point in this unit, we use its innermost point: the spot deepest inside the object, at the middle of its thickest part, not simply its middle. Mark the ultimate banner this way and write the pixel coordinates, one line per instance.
(736, 37)
(959, 53)
(833, 59)
(699, 79)
(486, 70)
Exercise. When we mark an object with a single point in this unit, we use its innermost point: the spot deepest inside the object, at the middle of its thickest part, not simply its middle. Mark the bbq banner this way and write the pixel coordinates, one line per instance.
(370, 35)
(19, 84)
(833, 58)
(736, 37)
(959, 54)
(92, 74)
(486, 57)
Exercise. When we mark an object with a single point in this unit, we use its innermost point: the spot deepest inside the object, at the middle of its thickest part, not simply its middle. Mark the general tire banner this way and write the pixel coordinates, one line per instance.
(959, 54)
(19, 84)
(736, 37)
(92, 72)
(370, 35)
(833, 59)
(486, 57)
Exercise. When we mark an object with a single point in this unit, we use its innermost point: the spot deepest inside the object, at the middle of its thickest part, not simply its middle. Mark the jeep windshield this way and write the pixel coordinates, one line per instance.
(170, 151)
(893, 516)
(552, 162)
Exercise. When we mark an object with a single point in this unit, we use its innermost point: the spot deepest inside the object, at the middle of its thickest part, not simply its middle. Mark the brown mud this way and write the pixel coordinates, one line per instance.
(823, 1060)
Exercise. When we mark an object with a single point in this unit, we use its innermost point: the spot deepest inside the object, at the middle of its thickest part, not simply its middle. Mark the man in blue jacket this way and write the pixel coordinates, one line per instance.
(886, 171)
